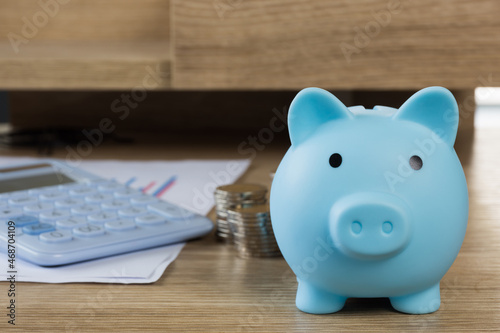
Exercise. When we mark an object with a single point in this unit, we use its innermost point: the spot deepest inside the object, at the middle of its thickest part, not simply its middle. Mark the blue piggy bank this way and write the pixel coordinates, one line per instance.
(370, 203)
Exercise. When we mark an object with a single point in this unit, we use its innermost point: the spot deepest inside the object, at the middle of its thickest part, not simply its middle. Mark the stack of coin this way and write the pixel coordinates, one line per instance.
(252, 231)
(231, 197)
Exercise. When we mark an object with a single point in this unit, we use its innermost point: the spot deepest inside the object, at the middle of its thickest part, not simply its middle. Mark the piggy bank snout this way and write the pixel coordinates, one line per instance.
(370, 226)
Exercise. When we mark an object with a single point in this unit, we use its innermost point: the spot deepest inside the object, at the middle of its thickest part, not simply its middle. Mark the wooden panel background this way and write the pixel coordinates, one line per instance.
(87, 44)
(92, 20)
(85, 65)
(291, 44)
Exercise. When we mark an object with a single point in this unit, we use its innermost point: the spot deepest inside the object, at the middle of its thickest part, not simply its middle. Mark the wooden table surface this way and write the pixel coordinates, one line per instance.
(209, 288)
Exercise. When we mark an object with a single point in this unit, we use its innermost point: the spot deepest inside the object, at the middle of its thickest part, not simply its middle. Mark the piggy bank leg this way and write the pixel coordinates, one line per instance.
(426, 301)
(317, 301)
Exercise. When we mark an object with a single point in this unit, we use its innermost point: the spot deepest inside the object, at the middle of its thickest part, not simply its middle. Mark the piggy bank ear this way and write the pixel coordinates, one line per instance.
(311, 108)
(435, 108)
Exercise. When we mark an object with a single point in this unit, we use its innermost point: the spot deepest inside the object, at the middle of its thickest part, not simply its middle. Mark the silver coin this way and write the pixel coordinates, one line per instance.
(241, 190)
(254, 242)
(248, 230)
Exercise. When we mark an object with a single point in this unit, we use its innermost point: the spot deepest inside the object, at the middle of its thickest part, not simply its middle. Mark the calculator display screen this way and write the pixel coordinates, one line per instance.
(29, 182)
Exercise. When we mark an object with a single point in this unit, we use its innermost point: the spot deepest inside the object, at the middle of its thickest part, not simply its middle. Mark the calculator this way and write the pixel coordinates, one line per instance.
(56, 214)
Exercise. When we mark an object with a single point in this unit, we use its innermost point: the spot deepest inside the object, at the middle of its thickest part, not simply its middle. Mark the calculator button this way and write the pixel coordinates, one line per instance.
(102, 217)
(69, 202)
(89, 230)
(82, 192)
(144, 200)
(55, 214)
(39, 208)
(127, 193)
(71, 222)
(52, 196)
(110, 187)
(99, 198)
(85, 209)
(6, 213)
(150, 219)
(120, 225)
(132, 212)
(115, 204)
(57, 236)
(24, 220)
(170, 211)
(23, 201)
(37, 229)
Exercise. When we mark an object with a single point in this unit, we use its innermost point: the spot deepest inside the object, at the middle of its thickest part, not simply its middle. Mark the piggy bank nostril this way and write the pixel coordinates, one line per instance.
(356, 227)
(387, 227)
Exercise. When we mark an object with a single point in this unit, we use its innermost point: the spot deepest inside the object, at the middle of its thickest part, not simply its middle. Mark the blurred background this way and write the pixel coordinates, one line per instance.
(161, 66)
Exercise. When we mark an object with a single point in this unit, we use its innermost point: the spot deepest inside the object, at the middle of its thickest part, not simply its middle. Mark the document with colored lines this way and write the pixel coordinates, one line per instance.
(187, 183)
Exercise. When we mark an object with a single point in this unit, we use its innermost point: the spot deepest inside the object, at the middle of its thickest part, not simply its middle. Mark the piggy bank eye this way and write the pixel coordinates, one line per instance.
(335, 160)
(416, 162)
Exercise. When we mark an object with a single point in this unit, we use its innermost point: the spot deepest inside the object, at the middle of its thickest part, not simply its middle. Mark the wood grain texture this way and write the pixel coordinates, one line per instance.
(86, 20)
(85, 65)
(77, 44)
(395, 44)
(209, 289)
(241, 44)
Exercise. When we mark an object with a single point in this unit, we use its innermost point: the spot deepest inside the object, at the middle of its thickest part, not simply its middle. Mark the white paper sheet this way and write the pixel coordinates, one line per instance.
(144, 266)
(189, 184)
